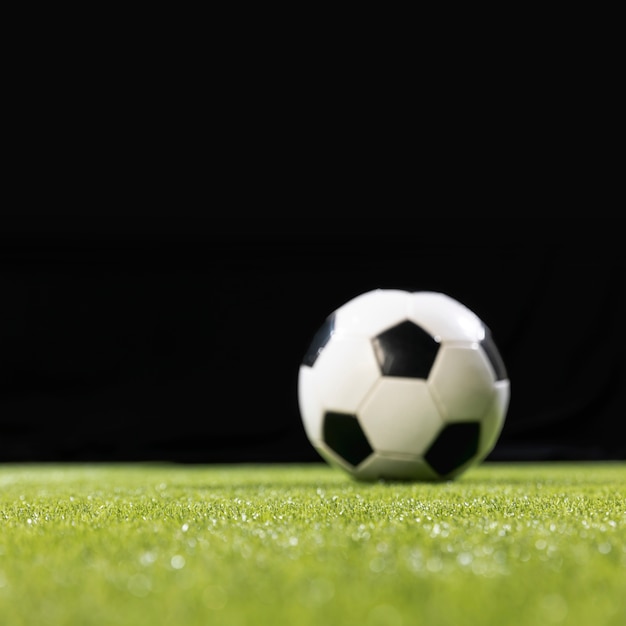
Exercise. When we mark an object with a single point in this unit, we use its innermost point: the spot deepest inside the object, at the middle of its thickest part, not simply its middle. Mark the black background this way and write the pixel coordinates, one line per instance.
(178, 338)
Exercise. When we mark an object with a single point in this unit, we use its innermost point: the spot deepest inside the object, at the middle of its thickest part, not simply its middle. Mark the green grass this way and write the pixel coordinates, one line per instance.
(300, 545)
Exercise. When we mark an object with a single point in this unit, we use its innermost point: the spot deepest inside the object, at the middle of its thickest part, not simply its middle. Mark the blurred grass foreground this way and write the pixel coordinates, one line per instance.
(237, 545)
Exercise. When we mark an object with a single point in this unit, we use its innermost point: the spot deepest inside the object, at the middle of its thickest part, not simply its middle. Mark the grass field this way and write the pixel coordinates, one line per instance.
(299, 545)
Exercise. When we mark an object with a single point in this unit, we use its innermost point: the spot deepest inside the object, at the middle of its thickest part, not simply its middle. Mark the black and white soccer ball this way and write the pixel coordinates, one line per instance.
(400, 385)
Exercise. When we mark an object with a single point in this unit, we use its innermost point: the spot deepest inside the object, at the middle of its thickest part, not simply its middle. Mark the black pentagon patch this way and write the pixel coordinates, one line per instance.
(343, 434)
(493, 354)
(405, 350)
(455, 445)
(320, 339)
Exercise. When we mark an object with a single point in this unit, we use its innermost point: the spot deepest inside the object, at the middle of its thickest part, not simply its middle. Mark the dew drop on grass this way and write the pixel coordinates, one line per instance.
(377, 565)
(178, 561)
(147, 558)
(434, 564)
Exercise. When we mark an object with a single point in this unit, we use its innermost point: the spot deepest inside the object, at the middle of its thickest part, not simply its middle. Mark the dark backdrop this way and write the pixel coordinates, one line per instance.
(178, 338)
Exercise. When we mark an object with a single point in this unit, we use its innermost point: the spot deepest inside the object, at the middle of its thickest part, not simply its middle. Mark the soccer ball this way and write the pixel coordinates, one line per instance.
(400, 385)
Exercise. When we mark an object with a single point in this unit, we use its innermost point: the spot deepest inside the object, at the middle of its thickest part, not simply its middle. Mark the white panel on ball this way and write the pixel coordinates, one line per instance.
(462, 383)
(309, 400)
(395, 468)
(445, 318)
(344, 372)
(399, 416)
(372, 312)
(493, 420)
